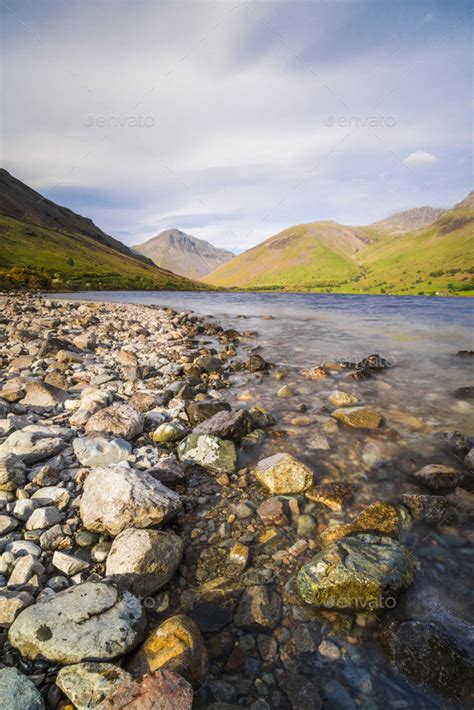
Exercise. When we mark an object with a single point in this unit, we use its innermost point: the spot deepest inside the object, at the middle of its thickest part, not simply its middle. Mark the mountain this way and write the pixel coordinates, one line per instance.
(44, 245)
(415, 218)
(183, 253)
(326, 256)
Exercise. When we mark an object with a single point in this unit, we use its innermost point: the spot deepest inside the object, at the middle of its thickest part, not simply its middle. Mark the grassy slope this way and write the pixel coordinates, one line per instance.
(439, 258)
(73, 262)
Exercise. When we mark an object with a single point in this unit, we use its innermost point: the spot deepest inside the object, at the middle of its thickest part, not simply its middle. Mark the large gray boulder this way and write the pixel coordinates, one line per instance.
(144, 560)
(118, 497)
(93, 621)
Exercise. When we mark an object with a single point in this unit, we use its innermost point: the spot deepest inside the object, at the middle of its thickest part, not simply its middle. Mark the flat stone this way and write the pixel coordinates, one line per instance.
(213, 454)
(17, 692)
(40, 394)
(99, 451)
(93, 621)
(69, 564)
(42, 518)
(200, 411)
(358, 417)
(143, 561)
(117, 420)
(271, 512)
(161, 690)
(88, 684)
(227, 425)
(11, 603)
(259, 609)
(332, 495)
(33, 443)
(360, 572)
(119, 497)
(175, 645)
(338, 398)
(436, 476)
(283, 473)
(433, 510)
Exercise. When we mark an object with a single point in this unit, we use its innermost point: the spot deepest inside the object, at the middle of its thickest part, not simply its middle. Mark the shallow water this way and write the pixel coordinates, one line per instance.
(419, 337)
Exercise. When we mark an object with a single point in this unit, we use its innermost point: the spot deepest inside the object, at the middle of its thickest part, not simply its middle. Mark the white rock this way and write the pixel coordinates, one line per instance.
(52, 495)
(69, 564)
(33, 443)
(99, 451)
(43, 518)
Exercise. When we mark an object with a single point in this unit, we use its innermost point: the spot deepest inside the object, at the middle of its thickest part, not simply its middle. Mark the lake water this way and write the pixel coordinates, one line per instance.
(420, 337)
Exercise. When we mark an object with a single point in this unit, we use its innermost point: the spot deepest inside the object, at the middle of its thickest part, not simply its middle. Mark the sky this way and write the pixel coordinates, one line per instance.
(234, 120)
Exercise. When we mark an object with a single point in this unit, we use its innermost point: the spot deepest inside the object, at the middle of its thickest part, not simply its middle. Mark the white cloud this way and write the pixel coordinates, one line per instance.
(420, 157)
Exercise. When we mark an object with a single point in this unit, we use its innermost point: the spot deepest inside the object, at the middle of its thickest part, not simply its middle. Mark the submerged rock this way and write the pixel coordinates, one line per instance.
(227, 425)
(90, 621)
(360, 572)
(338, 398)
(88, 684)
(17, 692)
(283, 473)
(204, 409)
(436, 476)
(358, 417)
(332, 495)
(210, 452)
(433, 510)
(161, 690)
(259, 609)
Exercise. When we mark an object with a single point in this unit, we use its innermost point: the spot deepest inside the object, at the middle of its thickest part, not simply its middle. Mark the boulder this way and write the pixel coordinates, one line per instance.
(361, 572)
(12, 472)
(144, 560)
(118, 497)
(116, 420)
(161, 690)
(93, 621)
(176, 645)
(358, 417)
(227, 425)
(17, 692)
(33, 443)
(100, 451)
(213, 454)
(436, 476)
(283, 473)
(88, 684)
(204, 409)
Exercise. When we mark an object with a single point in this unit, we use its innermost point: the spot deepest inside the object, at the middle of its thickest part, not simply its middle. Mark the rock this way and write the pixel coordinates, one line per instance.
(342, 399)
(261, 417)
(17, 692)
(91, 402)
(282, 473)
(24, 508)
(42, 518)
(316, 373)
(11, 603)
(99, 451)
(437, 476)
(51, 345)
(464, 392)
(425, 652)
(33, 443)
(227, 425)
(318, 442)
(332, 495)
(7, 524)
(259, 609)
(90, 621)
(168, 432)
(239, 555)
(211, 617)
(285, 392)
(52, 495)
(86, 340)
(118, 497)
(433, 510)
(116, 420)
(176, 645)
(204, 409)
(380, 518)
(88, 684)
(360, 572)
(161, 690)
(208, 363)
(25, 568)
(68, 564)
(271, 512)
(256, 363)
(40, 394)
(12, 472)
(143, 561)
(213, 454)
(301, 692)
(469, 460)
(358, 417)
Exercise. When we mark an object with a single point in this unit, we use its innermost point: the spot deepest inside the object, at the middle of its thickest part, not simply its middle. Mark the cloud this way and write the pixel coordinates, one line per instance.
(420, 157)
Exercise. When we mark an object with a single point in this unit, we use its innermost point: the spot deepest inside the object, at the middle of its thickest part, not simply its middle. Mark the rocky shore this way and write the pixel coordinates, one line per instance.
(154, 555)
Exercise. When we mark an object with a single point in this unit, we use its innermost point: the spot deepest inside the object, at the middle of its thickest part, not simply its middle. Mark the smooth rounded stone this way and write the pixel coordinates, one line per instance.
(24, 508)
(52, 495)
(12, 472)
(168, 432)
(92, 621)
(338, 398)
(204, 409)
(33, 443)
(143, 561)
(42, 518)
(358, 417)
(118, 497)
(58, 583)
(208, 363)
(40, 394)
(306, 526)
(259, 609)
(11, 603)
(285, 392)
(213, 454)
(360, 572)
(433, 510)
(100, 552)
(23, 547)
(88, 684)
(175, 645)
(318, 442)
(17, 692)
(425, 652)
(160, 690)
(283, 473)
(7, 524)
(436, 476)
(99, 451)
(328, 649)
(117, 420)
(227, 425)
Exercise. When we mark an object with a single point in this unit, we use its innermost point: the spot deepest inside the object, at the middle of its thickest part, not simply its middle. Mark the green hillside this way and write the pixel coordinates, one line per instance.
(325, 256)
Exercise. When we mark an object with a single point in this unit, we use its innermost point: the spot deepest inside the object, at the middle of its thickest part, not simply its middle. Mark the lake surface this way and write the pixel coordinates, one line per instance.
(419, 337)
